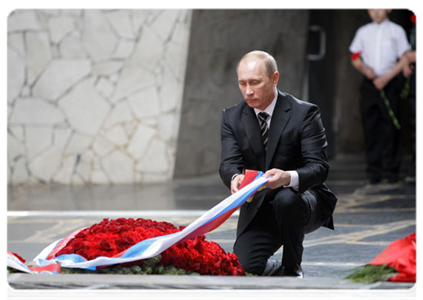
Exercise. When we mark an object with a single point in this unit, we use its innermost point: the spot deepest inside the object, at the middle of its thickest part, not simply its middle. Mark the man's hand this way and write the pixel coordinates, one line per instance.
(277, 179)
(236, 182)
(363, 69)
(381, 82)
(369, 73)
(407, 70)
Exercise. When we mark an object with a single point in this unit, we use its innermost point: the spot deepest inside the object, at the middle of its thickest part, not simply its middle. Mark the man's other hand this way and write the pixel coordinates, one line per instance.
(236, 182)
(369, 73)
(407, 71)
(277, 179)
(381, 82)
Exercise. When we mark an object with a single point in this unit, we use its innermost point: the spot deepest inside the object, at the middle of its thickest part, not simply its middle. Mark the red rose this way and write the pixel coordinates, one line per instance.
(83, 253)
(105, 245)
(413, 18)
(356, 55)
(110, 237)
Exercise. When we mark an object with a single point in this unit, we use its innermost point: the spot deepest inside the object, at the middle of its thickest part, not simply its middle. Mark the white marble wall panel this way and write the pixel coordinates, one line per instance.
(60, 26)
(94, 96)
(15, 68)
(39, 54)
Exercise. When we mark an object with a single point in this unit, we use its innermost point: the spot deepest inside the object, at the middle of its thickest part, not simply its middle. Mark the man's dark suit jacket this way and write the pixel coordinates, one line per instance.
(297, 141)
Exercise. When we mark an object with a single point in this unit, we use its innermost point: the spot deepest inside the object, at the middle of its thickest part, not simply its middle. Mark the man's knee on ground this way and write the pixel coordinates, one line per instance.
(253, 268)
(250, 263)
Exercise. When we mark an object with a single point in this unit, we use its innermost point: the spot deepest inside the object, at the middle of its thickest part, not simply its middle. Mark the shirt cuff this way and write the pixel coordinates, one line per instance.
(295, 182)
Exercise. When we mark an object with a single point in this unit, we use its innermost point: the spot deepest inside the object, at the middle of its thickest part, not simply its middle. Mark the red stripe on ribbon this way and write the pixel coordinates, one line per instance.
(52, 268)
(63, 243)
(211, 225)
(17, 256)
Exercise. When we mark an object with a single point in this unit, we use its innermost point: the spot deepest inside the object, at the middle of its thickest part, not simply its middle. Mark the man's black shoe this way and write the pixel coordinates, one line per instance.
(273, 268)
(296, 271)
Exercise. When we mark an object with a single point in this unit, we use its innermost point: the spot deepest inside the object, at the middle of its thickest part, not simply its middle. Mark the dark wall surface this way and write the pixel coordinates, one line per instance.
(219, 38)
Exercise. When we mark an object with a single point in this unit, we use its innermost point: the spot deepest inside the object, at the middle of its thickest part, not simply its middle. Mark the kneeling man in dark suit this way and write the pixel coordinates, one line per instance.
(284, 137)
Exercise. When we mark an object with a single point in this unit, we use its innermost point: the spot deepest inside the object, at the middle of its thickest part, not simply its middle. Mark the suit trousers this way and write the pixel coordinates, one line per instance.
(283, 220)
(382, 139)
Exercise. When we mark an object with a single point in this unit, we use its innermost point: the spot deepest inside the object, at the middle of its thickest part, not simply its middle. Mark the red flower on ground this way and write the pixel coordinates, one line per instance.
(401, 255)
(110, 237)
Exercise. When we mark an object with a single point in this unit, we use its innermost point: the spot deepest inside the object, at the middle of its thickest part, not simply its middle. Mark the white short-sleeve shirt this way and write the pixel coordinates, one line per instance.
(381, 45)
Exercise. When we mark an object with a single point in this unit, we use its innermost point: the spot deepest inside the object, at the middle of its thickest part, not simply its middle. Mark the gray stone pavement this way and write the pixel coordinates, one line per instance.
(367, 219)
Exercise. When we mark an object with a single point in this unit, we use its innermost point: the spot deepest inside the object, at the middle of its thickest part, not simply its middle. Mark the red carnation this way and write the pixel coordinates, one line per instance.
(110, 237)
(82, 252)
(105, 245)
(413, 18)
(355, 55)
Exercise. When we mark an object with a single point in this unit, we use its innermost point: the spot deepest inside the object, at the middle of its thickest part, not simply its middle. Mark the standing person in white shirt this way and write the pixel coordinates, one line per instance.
(377, 51)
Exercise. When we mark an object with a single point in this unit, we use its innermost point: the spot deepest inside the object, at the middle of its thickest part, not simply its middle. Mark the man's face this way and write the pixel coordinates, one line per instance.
(378, 15)
(257, 88)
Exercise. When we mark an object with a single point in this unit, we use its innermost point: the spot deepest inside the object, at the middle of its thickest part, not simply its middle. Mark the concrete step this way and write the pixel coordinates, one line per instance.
(103, 281)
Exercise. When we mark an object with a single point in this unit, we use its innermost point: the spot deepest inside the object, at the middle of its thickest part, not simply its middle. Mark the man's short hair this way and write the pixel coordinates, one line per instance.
(269, 62)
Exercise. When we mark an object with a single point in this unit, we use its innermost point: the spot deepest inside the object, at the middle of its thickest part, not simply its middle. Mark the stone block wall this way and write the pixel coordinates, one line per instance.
(94, 96)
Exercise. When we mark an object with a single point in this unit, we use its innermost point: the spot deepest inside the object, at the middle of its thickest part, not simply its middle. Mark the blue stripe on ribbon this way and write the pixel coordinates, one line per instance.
(238, 202)
(75, 258)
(140, 247)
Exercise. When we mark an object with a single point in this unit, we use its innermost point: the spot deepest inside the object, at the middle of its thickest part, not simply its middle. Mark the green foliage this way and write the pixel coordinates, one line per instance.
(372, 273)
(390, 111)
(406, 89)
(146, 267)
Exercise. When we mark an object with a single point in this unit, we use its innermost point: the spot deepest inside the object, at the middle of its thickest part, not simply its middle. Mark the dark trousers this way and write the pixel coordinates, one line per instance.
(382, 139)
(280, 221)
(414, 100)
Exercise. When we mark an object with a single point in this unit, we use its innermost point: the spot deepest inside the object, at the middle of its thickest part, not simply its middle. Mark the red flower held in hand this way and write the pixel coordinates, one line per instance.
(415, 18)
(110, 237)
(356, 55)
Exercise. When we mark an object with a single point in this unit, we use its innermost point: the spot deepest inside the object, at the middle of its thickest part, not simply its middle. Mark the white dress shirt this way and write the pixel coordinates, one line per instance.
(269, 110)
(381, 45)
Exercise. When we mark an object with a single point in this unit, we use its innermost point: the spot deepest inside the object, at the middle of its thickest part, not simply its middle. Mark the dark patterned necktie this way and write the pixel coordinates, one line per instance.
(263, 128)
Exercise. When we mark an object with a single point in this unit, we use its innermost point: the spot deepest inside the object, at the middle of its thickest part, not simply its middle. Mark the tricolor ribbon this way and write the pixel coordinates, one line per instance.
(15, 262)
(149, 248)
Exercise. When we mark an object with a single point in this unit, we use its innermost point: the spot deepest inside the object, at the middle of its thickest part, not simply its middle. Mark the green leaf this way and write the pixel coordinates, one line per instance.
(372, 273)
